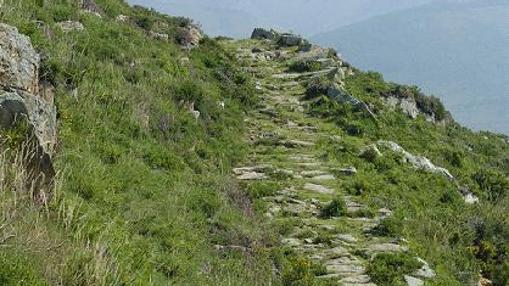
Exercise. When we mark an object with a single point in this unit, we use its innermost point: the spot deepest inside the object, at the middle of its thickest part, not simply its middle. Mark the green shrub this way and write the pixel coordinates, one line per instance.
(388, 269)
(390, 226)
(494, 184)
(335, 208)
(298, 272)
(306, 65)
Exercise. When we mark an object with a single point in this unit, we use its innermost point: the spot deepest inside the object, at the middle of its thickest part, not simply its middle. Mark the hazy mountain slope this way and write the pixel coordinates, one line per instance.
(458, 51)
(237, 17)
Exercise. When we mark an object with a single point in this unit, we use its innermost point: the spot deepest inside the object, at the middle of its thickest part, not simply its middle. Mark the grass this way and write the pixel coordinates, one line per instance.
(143, 195)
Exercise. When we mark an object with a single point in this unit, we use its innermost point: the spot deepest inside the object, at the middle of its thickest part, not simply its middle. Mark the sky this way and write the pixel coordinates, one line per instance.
(236, 18)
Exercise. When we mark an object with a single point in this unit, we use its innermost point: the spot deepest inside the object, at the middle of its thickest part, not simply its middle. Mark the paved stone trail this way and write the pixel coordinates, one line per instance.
(286, 146)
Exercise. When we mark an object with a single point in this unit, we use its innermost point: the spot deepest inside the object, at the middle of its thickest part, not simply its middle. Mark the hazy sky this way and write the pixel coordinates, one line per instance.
(308, 17)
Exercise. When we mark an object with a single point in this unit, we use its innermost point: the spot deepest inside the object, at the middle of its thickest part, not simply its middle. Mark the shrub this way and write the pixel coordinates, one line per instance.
(432, 106)
(304, 66)
(493, 183)
(390, 226)
(334, 209)
(388, 269)
(298, 272)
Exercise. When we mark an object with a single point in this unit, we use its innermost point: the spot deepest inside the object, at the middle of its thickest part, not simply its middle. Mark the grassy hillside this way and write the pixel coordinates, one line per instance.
(454, 50)
(148, 135)
(461, 241)
(142, 196)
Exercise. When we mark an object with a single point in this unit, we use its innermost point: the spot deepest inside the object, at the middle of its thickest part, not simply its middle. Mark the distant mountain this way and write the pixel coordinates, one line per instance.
(238, 17)
(459, 51)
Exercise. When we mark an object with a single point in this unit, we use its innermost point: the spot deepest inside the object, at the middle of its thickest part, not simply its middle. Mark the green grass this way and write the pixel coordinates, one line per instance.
(144, 193)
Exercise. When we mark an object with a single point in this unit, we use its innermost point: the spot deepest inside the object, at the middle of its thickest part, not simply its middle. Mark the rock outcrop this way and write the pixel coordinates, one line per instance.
(189, 36)
(20, 98)
(262, 34)
(425, 164)
(19, 63)
(418, 162)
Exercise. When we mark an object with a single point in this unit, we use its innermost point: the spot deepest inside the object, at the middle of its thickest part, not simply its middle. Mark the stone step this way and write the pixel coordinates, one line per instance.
(317, 188)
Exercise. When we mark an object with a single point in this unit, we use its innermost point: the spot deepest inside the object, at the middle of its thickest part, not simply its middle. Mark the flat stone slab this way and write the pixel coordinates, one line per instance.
(257, 168)
(347, 238)
(324, 177)
(356, 279)
(385, 247)
(251, 176)
(313, 173)
(412, 281)
(317, 188)
(292, 242)
(309, 164)
(345, 265)
(296, 143)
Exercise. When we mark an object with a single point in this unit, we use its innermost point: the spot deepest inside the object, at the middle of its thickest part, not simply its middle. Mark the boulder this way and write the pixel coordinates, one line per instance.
(290, 40)
(19, 63)
(262, 34)
(412, 281)
(122, 18)
(159, 36)
(370, 152)
(41, 115)
(189, 36)
(20, 98)
(91, 6)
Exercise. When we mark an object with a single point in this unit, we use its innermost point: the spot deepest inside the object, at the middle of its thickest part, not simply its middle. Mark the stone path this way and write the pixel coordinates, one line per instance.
(285, 146)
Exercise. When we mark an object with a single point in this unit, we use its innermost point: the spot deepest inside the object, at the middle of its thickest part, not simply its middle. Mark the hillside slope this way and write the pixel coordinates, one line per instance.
(454, 50)
(362, 176)
(184, 160)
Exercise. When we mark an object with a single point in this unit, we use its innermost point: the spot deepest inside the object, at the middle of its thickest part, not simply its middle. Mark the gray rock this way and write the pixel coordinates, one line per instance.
(91, 6)
(317, 188)
(262, 34)
(347, 238)
(356, 280)
(122, 18)
(159, 36)
(312, 173)
(425, 271)
(70, 26)
(296, 143)
(370, 151)
(385, 247)
(324, 177)
(418, 162)
(251, 176)
(290, 40)
(412, 281)
(19, 98)
(469, 197)
(41, 115)
(189, 36)
(349, 171)
(19, 63)
(384, 212)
